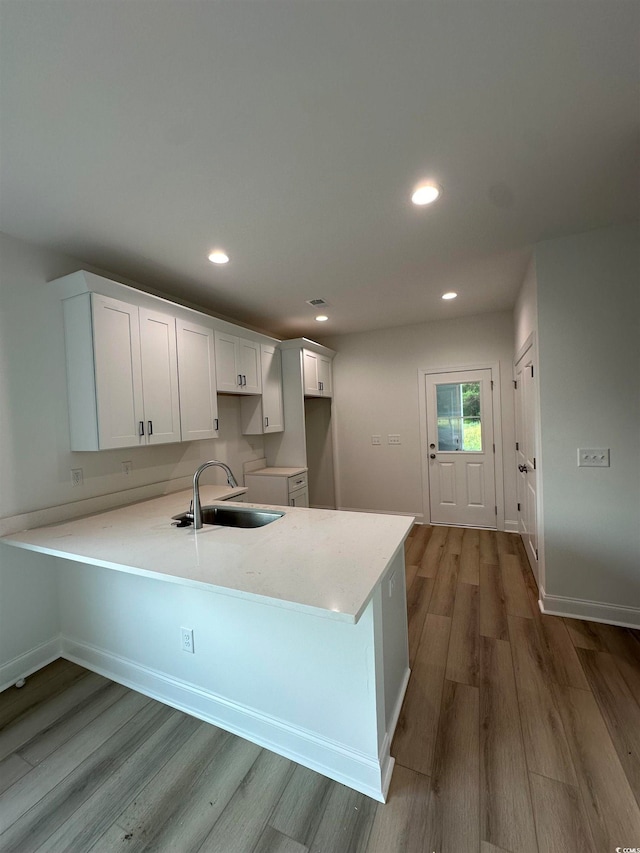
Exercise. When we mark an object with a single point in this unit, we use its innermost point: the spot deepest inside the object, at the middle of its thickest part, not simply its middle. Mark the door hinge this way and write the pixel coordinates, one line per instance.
(532, 371)
(495, 510)
(492, 384)
(534, 463)
(494, 448)
(536, 553)
(518, 507)
(517, 445)
(515, 383)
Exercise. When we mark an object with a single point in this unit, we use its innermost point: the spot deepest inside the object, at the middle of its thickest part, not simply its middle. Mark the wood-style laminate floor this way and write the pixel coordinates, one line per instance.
(520, 733)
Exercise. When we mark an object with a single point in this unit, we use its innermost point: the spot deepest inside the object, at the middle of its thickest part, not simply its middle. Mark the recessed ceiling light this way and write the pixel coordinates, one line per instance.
(322, 318)
(426, 193)
(450, 295)
(219, 257)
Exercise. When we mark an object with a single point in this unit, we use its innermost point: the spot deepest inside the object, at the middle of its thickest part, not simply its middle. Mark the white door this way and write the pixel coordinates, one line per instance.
(159, 377)
(197, 376)
(526, 411)
(460, 446)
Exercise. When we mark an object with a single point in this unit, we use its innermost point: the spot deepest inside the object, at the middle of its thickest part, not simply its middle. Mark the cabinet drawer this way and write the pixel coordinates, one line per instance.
(299, 481)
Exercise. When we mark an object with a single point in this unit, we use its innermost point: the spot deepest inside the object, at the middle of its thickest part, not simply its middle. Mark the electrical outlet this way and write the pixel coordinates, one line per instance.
(393, 439)
(376, 439)
(186, 639)
(127, 468)
(76, 477)
(593, 458)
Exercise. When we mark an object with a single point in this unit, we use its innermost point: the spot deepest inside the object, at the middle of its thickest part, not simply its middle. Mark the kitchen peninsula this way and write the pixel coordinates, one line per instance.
(299, 627)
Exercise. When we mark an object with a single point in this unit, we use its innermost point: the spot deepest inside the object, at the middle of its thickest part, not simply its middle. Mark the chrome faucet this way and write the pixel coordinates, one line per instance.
(197, 509)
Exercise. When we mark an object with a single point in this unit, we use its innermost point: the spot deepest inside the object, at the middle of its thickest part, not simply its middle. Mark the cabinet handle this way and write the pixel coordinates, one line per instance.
(140, 427)
(292, 502)
(240, 379)
(244, 379)
(150, 427)
(321, 386)
(215, 424)
(299, 482)
(266, 422)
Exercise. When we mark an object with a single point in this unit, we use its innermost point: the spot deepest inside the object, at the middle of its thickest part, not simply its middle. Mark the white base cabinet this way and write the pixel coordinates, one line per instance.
(278, 486)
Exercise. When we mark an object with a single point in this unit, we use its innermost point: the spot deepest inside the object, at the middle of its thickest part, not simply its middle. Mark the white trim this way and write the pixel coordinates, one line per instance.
(29, 662)
(594, 611)
(511, 526)
(330, 758)
(496, 401)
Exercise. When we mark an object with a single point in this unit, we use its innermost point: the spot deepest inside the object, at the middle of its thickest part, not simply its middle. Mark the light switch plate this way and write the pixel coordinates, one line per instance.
(594, 457)
(393, 439)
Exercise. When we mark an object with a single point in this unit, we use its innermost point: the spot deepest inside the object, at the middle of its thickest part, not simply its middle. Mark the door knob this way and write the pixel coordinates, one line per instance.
(432, 456)
(523, 469)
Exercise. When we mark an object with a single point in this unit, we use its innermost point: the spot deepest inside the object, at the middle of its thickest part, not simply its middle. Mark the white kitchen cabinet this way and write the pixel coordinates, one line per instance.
(278, 486)
(197, 377)
(122, 374)
(237, 364)
(317, 374)
(265, 414)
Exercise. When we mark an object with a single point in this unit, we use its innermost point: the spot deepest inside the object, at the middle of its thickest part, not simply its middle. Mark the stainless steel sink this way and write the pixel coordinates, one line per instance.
(231, 516)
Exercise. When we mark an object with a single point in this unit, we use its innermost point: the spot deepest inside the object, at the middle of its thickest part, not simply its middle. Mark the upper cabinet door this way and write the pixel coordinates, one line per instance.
(159, 377)
(317, 375)
(237, 365)
(325, 376)
(118, 373)
(228, 376)
(310, 373)
(249, 364)
(197, 377)
(272, 407)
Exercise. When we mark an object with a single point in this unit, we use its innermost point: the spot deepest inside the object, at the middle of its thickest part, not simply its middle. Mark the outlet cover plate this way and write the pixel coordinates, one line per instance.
(393, 439)
(597, 457)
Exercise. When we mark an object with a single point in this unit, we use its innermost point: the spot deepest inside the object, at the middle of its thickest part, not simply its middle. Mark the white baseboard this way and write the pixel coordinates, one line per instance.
(356, 770)
(29, 662)
(510, 526)
(594, 611)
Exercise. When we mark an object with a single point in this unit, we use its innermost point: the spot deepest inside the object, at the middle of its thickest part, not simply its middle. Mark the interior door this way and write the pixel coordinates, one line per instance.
(461, 448)
(526, 411)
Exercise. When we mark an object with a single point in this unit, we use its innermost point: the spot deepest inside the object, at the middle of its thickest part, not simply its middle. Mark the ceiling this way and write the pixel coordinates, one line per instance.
(138, 135)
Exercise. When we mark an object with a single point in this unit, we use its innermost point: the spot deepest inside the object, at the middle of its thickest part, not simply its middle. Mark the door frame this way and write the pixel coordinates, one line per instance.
(531, 343)
(496, 400)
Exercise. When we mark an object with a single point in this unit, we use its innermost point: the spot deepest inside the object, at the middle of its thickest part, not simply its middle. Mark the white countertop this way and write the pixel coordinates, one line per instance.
(276, 472)
(317, 561)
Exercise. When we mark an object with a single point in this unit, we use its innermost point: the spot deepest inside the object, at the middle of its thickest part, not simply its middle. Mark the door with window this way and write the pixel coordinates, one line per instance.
(527, 477)
(461, 448)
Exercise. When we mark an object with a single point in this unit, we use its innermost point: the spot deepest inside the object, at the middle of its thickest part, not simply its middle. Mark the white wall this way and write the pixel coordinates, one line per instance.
(525, 312)
(35, 460)
(589, 354)
(376, 393)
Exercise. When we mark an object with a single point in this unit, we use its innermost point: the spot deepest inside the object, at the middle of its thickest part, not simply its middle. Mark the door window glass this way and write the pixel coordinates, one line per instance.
(459, 417)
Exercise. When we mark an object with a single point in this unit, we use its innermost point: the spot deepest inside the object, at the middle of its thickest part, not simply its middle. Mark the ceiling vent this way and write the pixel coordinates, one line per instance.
(317, 303)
